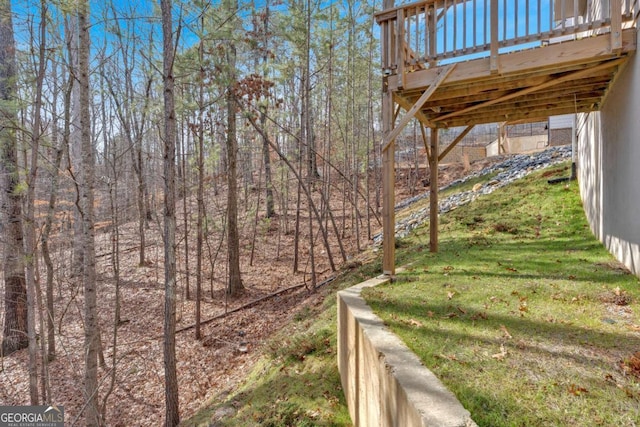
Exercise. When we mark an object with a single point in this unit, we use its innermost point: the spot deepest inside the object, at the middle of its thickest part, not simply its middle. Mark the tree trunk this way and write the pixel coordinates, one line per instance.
(172, 414)
(235, 286)
(53, 194)
(268, 181)
(75, 142)
(86, 189)
(200, 197)
(15, 297)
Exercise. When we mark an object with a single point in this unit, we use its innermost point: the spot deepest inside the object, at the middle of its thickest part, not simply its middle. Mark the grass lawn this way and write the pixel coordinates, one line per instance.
(522, 313)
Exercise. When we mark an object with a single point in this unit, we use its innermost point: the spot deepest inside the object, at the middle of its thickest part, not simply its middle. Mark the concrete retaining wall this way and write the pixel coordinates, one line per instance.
(384, 383)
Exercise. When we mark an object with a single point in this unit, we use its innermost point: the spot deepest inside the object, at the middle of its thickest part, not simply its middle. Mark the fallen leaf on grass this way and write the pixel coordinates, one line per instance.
(501, 355)
(523, 307)
(450, 315)
(414, 322)
(451, 357)
(450, 294)
(505, 332)
(632, 364)
(577, 391)
(479, 315)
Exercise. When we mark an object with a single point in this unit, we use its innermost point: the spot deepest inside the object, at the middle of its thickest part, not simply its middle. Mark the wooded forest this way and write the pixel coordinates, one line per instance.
(162, 164)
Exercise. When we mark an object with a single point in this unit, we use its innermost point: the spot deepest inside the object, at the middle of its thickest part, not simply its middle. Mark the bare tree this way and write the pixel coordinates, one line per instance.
(172, 414)
(85, 185)
(266, 158)
(53, 178)
(200, 195)
(235, 286)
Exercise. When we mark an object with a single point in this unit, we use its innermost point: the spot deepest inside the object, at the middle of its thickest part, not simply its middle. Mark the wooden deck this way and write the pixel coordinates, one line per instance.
(450, 63)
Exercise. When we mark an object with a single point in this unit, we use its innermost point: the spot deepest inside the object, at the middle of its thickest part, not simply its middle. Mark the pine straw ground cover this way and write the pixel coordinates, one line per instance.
(522, 313)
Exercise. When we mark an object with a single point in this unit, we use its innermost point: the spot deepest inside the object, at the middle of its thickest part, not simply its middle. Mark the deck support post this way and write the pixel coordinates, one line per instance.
(388, 212)
(388, 170)
(388, 188)
(433, 192)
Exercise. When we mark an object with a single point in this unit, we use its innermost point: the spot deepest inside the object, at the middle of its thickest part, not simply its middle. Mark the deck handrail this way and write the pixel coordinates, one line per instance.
(433, 32)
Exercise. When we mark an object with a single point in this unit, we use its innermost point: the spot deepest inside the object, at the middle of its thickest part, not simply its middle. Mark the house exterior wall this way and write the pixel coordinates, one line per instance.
(609, 167)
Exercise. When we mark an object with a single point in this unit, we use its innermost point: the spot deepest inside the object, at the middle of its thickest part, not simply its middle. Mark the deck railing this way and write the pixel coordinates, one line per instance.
(433, 32)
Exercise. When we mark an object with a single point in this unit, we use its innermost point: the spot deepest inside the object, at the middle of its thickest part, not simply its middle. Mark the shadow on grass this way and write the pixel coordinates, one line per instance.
(570, 259)
(522, 329)
(537, 360)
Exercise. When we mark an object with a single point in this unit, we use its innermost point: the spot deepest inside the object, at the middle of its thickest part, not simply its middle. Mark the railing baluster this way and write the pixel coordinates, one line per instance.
(400, 47)
(486, 23)
(540, 18)
(445, 29)
(455, 25)
(432, 33)
(504, 20)
(493, 59)
(406, 23)
(464, 26)
(384, 46)
(475, 13)
(418, 49)
(428, 40)
(527, 22)
(515, 28)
